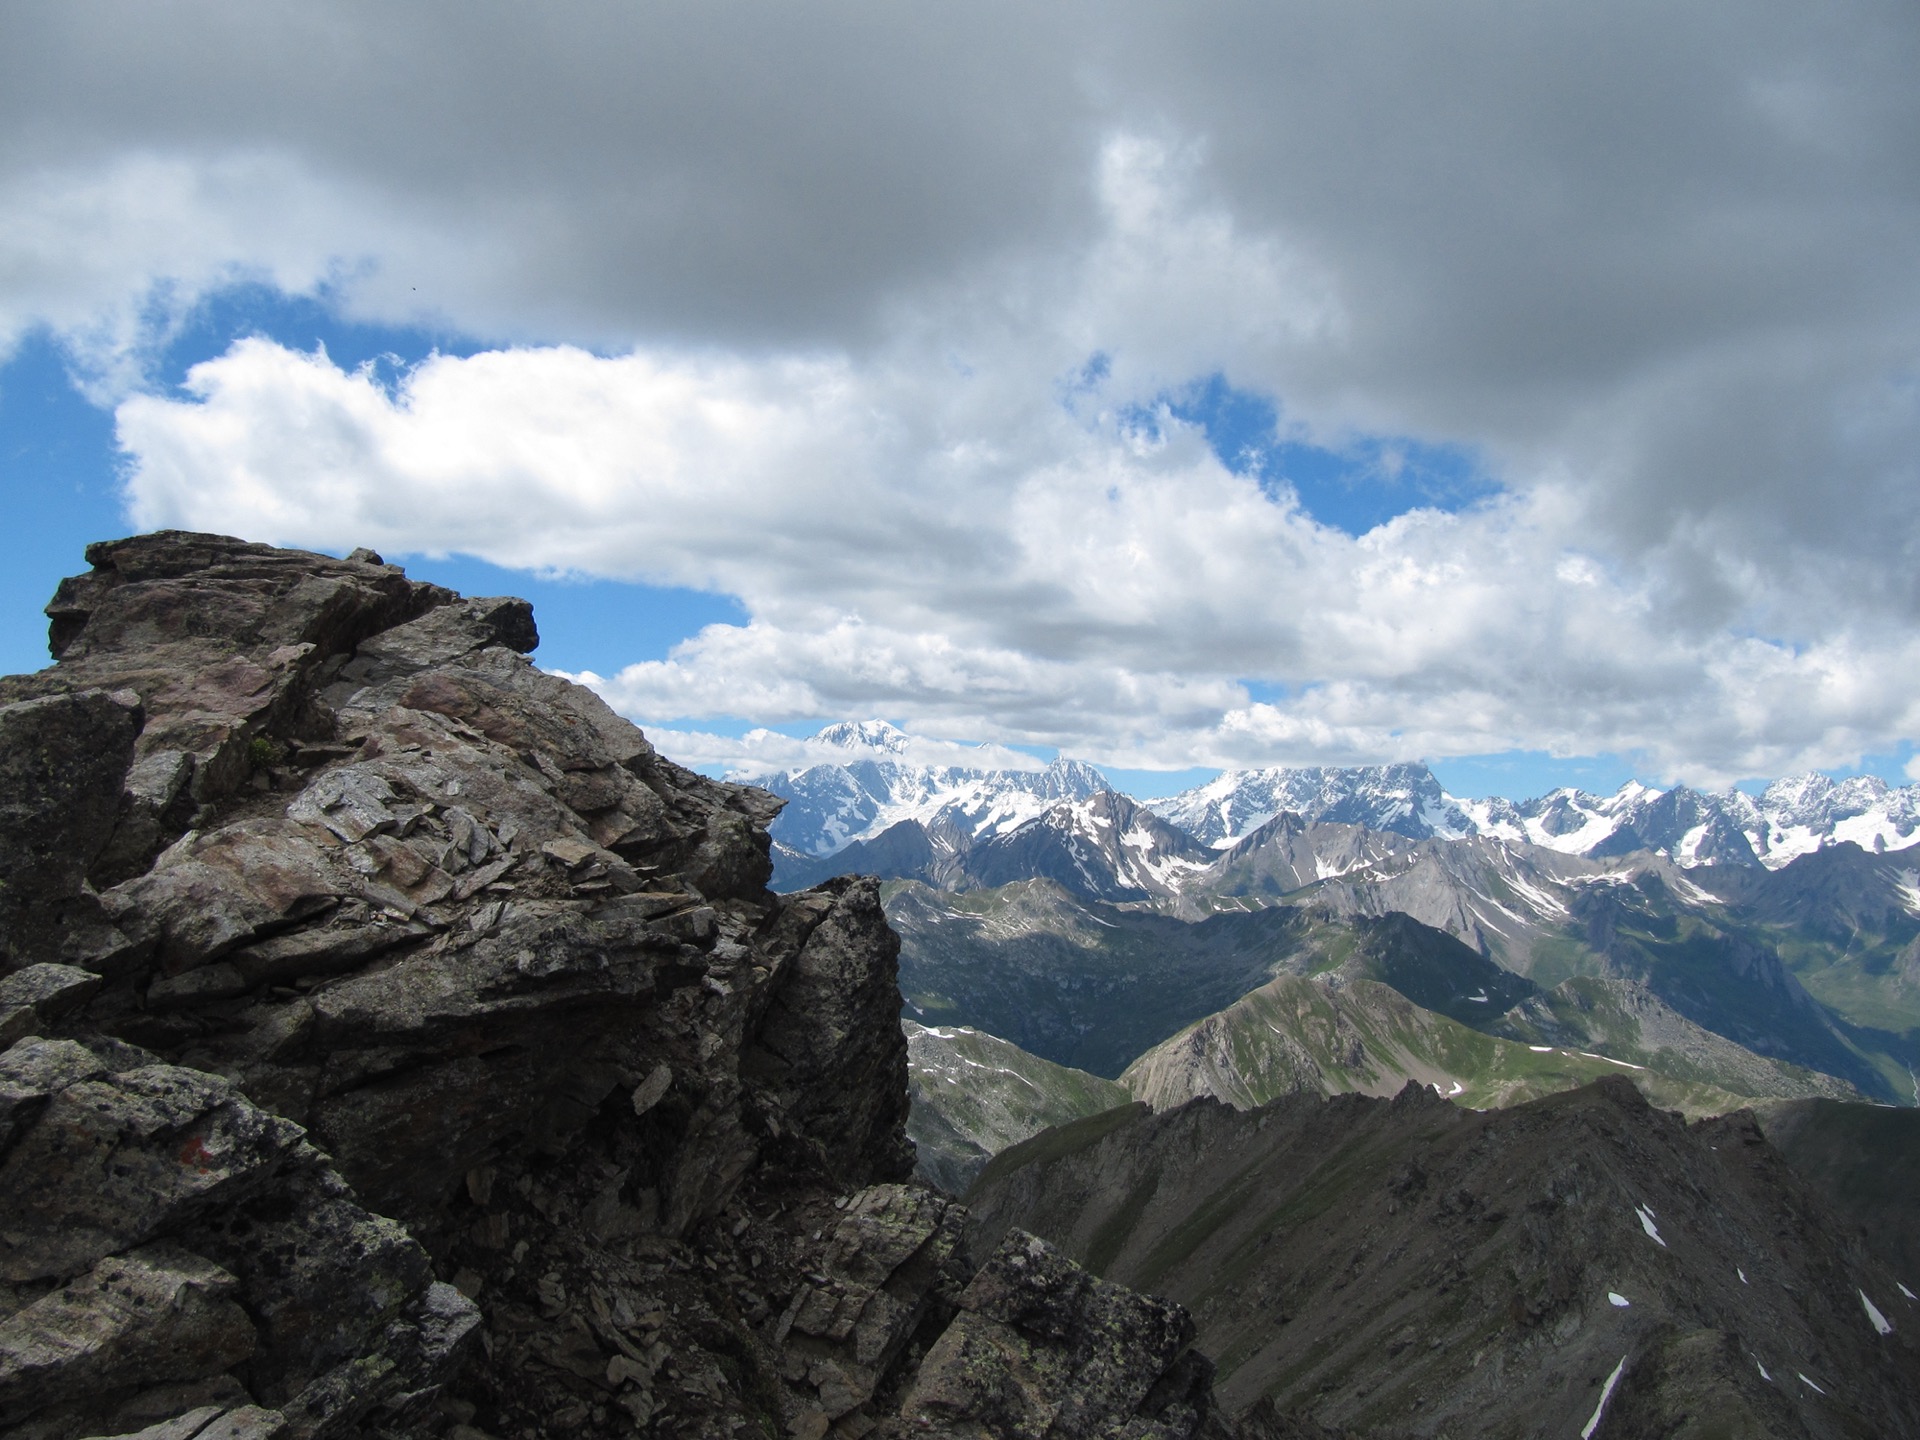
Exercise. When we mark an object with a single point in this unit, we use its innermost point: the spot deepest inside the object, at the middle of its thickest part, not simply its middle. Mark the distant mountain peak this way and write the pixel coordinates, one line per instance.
(865, 735)
(871, 775)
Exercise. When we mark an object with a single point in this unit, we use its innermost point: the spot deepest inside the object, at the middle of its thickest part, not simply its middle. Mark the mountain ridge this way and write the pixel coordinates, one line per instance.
(833, 804)
(1403, 1267)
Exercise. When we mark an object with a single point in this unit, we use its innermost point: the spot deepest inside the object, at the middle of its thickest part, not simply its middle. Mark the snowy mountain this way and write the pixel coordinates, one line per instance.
(1792, 817)
(873, 777)
(1404, 799)
(1105, 847)
(832, 805)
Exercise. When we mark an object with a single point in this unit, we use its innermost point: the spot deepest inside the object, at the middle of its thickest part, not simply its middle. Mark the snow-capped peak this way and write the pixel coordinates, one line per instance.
(855, 779)
(1694, 827)
(880, 778)
(865, 735)
(1405, 799)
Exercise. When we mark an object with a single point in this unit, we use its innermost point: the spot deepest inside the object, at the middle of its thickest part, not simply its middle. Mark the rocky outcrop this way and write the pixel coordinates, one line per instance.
(168, 1247)
(1041, 1347)
(395, 1044)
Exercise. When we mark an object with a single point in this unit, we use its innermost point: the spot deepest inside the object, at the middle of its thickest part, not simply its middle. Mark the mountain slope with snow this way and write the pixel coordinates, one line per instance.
(871, 777)
(877, 785)
(1792, 817)
(1403, 799)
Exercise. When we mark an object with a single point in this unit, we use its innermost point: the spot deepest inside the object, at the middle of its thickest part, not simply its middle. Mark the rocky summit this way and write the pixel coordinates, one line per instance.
(392, 1043)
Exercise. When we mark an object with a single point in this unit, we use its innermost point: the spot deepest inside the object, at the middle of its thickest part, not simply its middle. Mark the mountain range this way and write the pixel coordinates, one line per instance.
(393, 1044)
(1102, 987)
(870, 786)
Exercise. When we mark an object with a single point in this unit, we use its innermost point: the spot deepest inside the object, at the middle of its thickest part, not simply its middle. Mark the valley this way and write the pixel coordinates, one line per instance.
(1329, 931)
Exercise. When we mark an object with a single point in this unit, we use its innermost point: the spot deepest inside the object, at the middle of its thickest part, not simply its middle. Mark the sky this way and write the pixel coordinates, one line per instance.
(1530, 390)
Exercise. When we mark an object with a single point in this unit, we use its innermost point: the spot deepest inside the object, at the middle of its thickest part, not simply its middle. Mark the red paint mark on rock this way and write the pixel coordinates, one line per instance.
(196, 1154)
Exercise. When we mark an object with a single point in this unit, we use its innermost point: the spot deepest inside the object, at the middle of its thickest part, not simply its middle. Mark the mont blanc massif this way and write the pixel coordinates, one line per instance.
(394, 1043)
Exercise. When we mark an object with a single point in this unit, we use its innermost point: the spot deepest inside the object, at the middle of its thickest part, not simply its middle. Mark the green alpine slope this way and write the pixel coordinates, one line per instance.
(1095, 986)
(1074, 981)
(1330, 1036)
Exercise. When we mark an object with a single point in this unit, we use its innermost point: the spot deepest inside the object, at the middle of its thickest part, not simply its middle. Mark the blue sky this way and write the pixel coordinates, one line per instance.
(776, 397)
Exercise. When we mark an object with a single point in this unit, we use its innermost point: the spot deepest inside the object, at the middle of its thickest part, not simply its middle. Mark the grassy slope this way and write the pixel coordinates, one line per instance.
(1296, 1034)
(1096, 986)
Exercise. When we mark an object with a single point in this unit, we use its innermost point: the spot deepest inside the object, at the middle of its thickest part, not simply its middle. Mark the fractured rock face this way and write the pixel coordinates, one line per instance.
(330, 907)
(1044, 1348)
(158, 1313)
(160, 1230)
(63, 759)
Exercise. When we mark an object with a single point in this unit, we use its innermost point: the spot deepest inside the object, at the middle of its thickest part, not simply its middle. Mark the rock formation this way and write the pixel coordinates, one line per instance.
(395, 1044)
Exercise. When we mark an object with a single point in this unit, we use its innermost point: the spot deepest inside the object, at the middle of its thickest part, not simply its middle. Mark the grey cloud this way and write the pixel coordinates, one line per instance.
(1656, 263)
(719, 171)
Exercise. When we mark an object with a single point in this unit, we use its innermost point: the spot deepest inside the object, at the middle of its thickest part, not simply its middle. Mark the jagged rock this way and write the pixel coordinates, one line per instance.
(1044, 1348)
(211, 1422)
(193, 1231)
(888, 1266)
(373, 918)
(156, 1313)
(39, 994)
(113, 1160)
(820, 1033)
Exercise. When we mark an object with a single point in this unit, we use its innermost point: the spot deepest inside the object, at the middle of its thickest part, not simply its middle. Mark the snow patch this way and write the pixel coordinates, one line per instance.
(1624, 1064)
(1646, 1223)
(1763, 1372)
(1606, 1394)
(1617, 1300)
(1906, 1292)
(1693, 892)
(1815, 1388)
(1541, 1049)
(1874, 1317)
(1742, 1274)
(1539, 899)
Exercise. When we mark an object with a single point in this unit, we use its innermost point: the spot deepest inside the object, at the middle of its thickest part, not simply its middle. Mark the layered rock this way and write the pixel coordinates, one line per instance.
(397, 1044)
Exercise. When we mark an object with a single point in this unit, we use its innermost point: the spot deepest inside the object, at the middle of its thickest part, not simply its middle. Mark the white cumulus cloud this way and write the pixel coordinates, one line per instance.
(803, 305)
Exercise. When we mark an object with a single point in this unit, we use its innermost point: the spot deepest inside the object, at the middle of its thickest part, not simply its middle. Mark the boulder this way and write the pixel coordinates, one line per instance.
(1044, 1348)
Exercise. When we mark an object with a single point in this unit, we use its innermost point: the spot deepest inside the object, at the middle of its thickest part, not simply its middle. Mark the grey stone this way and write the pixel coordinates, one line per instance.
(113, 1160)
(153, 1314)
(62, 760)
(33, 997)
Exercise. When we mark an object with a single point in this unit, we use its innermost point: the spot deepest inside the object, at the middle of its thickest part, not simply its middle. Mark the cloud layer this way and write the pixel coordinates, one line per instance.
(800, 305)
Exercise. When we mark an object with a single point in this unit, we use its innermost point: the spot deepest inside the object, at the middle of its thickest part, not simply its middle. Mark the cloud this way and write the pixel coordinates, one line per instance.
(791, 305)
(760, 753)
(976, 558)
